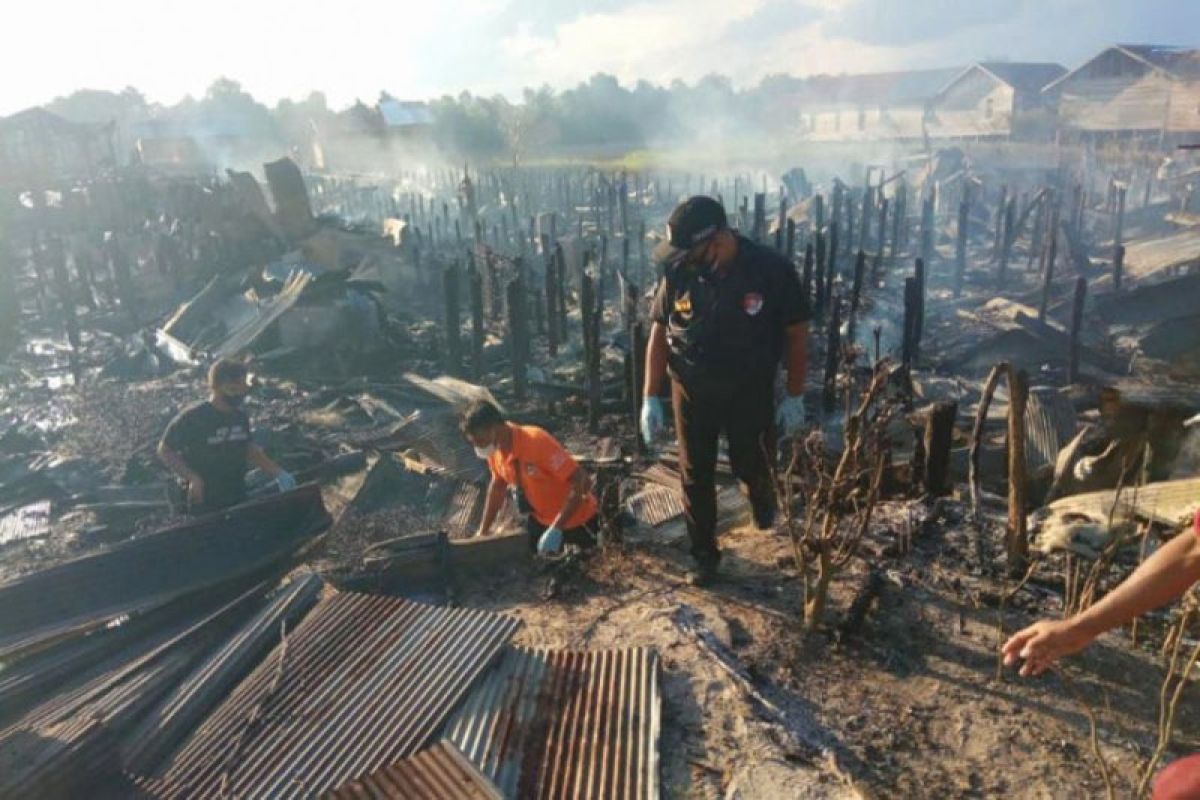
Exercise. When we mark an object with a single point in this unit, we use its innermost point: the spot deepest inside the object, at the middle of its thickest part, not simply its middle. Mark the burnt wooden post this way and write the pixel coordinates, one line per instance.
(849, 222)
(560, 271)
(1051, 254)
(898, 220)
(860, 269)
(806, 277)
(760, 216)
(819, 295)
(831, 263)
(919, 273)
(1118, 266)
(927, 219)
(10, 301)
(1017, 541)
(450, 282)
(1118, 235)
(1001, 210)
(833, 356)
(1010, 219)
(960, 249)
(551, 297)
(818, 214)
(589, 309)
(637, 362)
(518, 334)
(1119, 221)
(477, 325)
(883, 214)
(789, 248)
(642, 265)
(908, 343)
(985, 401)
(1076, 328)
(939, 437)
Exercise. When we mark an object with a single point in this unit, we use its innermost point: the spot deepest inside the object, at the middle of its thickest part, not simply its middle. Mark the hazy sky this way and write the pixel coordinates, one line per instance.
(354, 48)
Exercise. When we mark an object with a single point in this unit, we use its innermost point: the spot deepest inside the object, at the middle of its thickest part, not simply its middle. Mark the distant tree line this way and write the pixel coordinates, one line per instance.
(598, 114)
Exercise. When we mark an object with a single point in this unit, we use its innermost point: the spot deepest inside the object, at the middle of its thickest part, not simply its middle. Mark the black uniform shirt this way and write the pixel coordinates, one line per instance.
(214, 445)
(728, 325)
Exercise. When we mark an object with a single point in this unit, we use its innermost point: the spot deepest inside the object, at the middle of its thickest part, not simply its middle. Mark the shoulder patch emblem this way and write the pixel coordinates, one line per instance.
(752, 303)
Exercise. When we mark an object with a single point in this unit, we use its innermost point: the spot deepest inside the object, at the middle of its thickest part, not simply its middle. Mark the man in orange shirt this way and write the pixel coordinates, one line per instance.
(550, 486)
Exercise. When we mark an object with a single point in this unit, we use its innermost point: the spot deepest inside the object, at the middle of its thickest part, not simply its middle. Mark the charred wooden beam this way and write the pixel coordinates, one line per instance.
(1076, 328)
(1017, 539)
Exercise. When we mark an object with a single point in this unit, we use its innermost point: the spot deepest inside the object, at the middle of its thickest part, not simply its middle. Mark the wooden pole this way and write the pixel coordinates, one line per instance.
(1076, 328)
(806, 278)
(789, 248)
(833, 356)
(985, 401)
(960, 250)
(637, 361)
(819, 297)
(589, 313)
(908, 354)
(919, 318)
(450, 282)
(1017, 542)
(1001, 210)
(477, 325)
(860, 269)
(1118, 266)
(517, 335)
(551, 295)
(1051, 253)
(939, 436)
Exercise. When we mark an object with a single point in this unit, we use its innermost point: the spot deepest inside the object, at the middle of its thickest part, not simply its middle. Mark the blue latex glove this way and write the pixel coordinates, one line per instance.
(286, 481)
(551, 541)
(653, 420)
(790, 416)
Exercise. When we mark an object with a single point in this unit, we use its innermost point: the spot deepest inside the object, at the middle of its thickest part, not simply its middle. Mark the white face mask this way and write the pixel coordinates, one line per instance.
(485, 452)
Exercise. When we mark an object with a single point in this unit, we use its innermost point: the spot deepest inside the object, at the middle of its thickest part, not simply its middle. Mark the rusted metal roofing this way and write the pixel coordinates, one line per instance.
(206, 687)
(1162, 257)
(362, 682)
(58, 748)
(1167, 503)
(655, 504)
(27, 522)
(439, 773)
(561, 724)
(1050, 423)
(151, 570)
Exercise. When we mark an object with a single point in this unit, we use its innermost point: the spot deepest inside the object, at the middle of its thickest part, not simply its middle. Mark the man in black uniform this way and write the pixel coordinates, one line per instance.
(725, 313)
(210, 444)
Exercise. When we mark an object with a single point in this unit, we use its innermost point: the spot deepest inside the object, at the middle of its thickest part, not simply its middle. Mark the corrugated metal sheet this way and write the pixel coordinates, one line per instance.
(1050, 423)
(1168, 503)
(150, 570)
(561, 724)
(27, 522)
(655, 504)
(362, 682)
(439, 773)
(60, 746)
(1163, 257)
(206, 687)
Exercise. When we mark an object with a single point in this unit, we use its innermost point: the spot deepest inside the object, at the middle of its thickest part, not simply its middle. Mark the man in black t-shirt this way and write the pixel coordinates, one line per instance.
(210, 444)
(726, 312)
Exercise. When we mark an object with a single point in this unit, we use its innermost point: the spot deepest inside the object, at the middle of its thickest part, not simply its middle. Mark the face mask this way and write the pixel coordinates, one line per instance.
(485, 452)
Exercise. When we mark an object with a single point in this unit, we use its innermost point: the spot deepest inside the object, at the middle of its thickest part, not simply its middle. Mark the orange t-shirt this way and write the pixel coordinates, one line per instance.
(546, 470)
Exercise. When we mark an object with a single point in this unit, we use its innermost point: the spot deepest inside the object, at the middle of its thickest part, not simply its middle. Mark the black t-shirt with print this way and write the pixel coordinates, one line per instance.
(728, 325)
(214, 445)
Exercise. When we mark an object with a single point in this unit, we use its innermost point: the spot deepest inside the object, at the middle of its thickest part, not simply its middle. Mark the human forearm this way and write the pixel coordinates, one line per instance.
(797, 358)
(257, 457)
(491, 506)
(174, 462)
(580, 486)
(656, 361)
(1160, 579)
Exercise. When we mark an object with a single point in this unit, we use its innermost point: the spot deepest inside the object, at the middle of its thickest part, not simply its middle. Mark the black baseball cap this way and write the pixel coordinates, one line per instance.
(693, 222)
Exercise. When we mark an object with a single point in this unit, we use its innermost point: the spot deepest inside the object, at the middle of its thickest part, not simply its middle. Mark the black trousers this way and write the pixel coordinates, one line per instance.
(583, 536)
(745, 413)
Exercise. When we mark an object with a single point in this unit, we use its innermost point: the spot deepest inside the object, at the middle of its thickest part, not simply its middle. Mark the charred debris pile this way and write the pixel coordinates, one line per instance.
(1033, 331)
